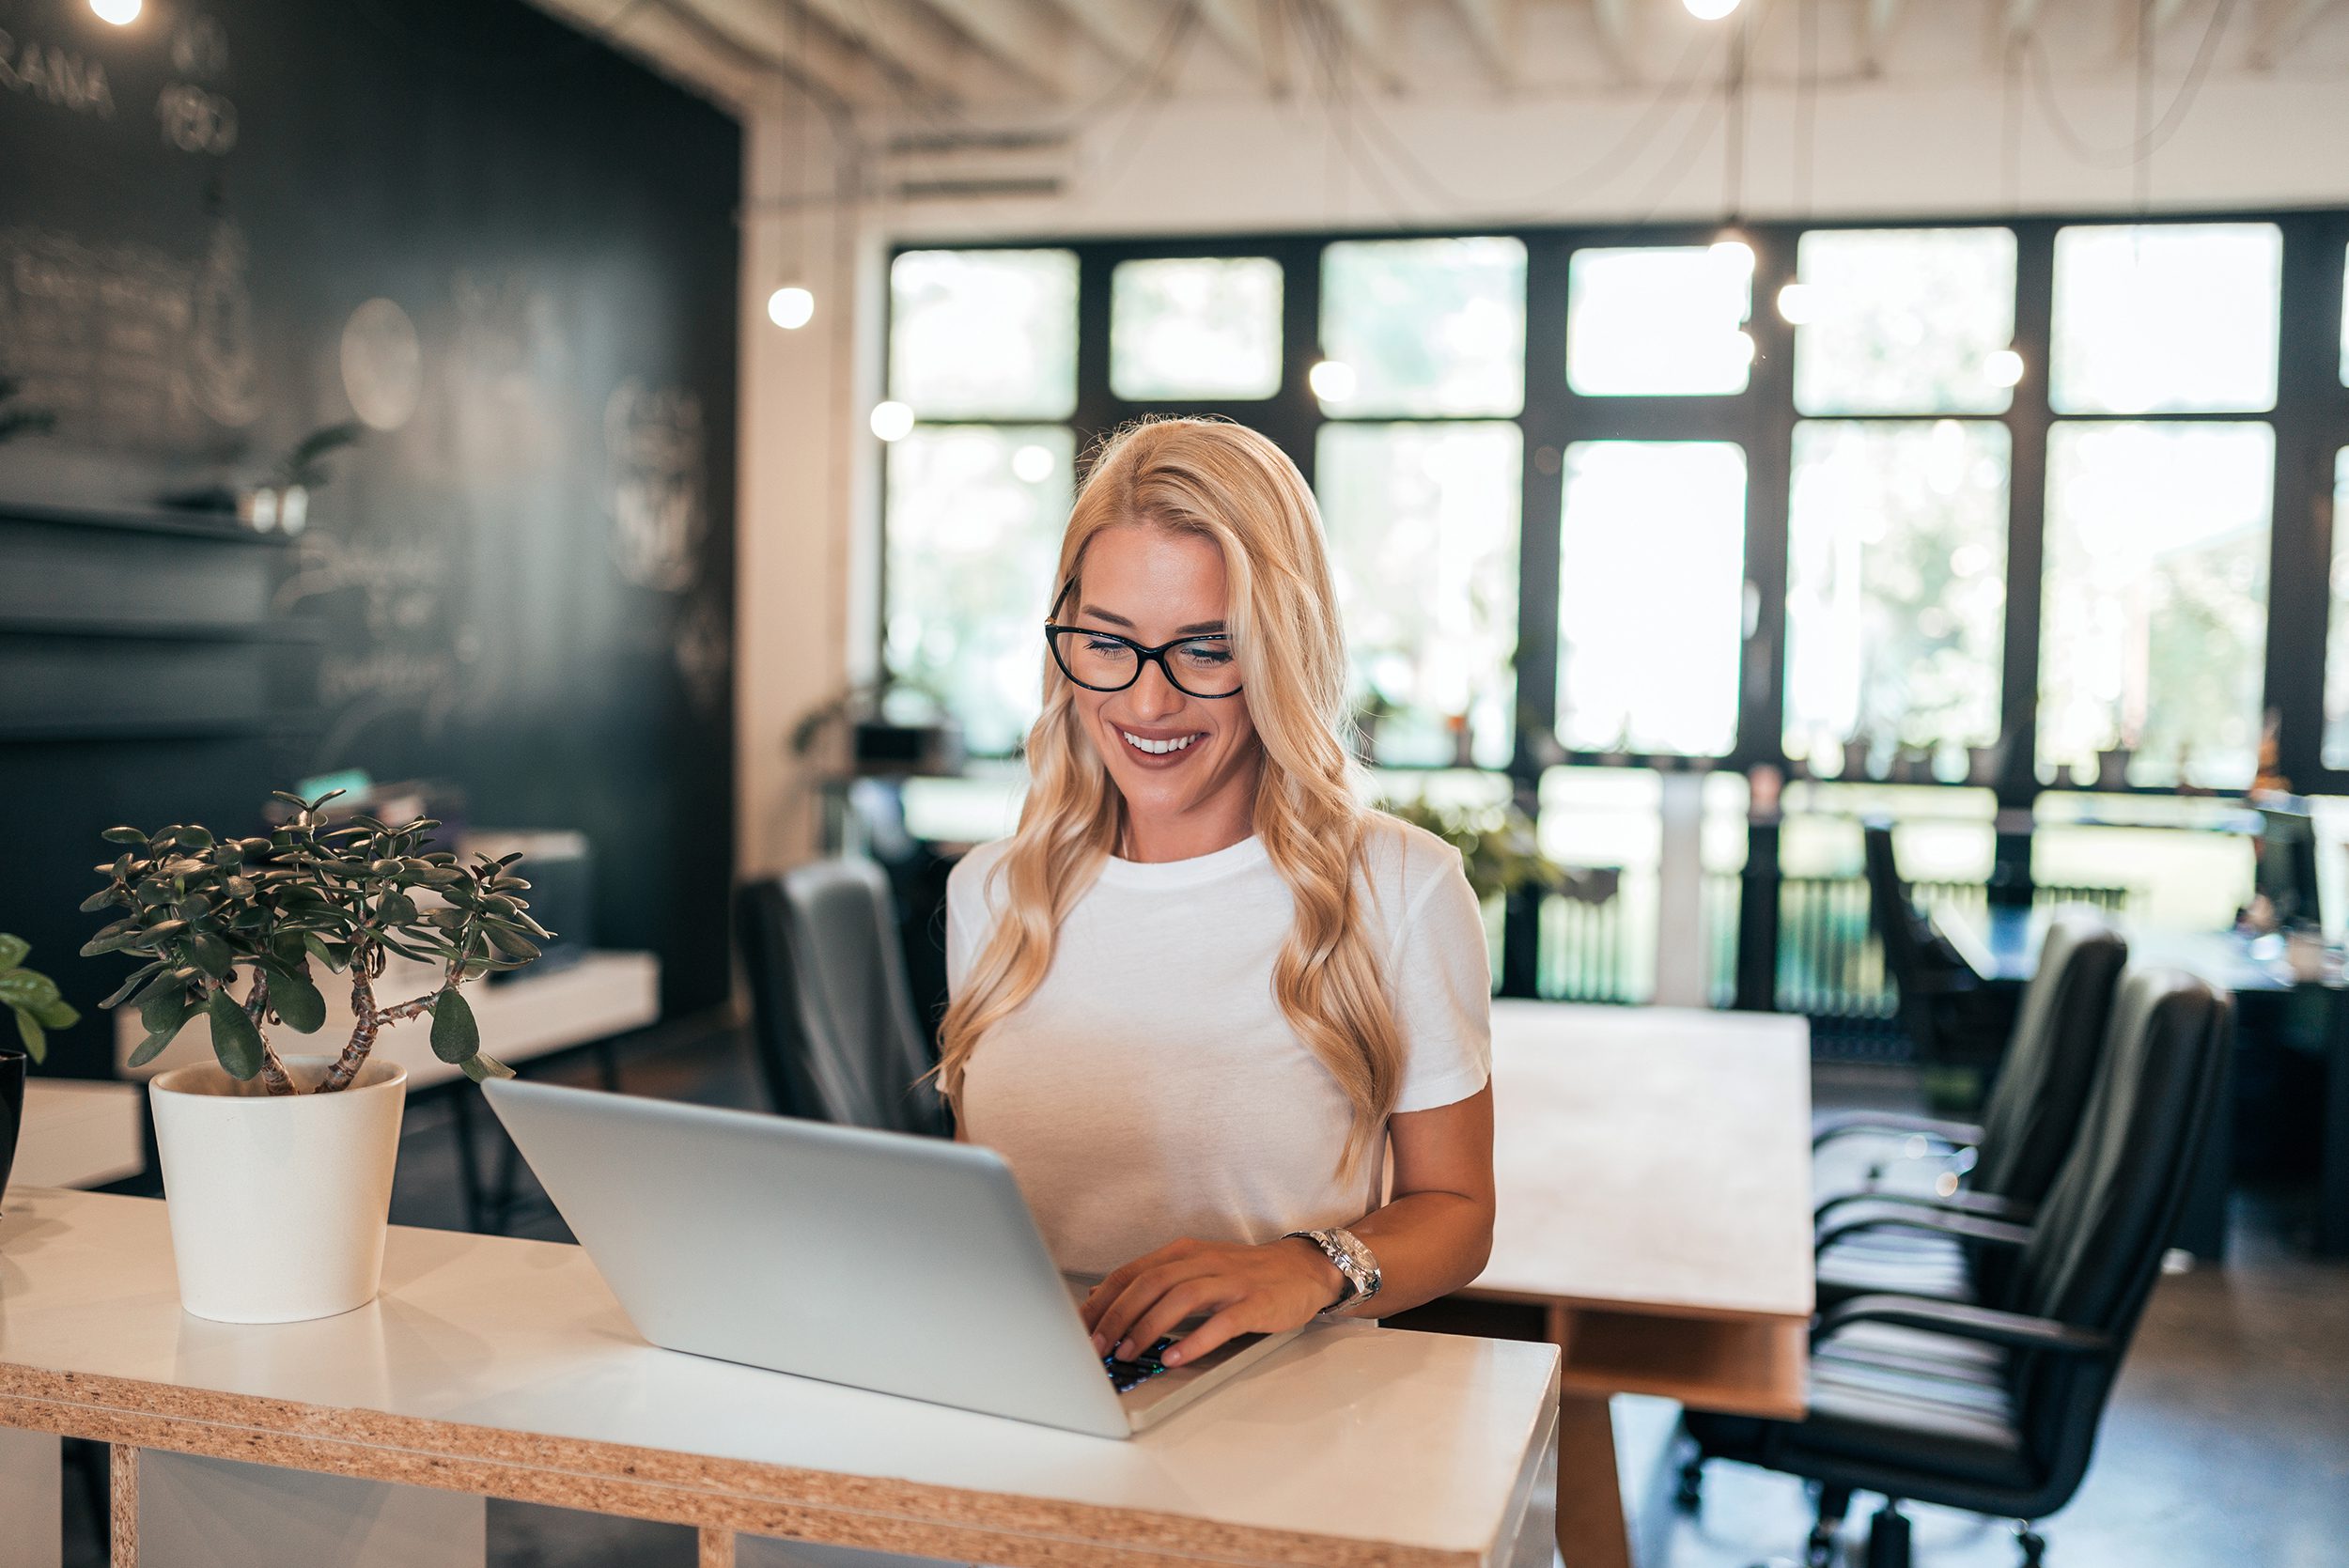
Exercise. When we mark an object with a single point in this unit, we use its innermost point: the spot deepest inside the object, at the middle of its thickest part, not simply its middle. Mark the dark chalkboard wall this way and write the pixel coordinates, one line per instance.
(507, 252)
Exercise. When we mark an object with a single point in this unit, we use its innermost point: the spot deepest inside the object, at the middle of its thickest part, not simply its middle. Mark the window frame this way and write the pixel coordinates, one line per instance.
(2311, 420)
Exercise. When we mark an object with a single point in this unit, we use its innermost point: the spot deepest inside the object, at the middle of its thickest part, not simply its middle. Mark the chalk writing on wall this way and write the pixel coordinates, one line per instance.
(653, 446)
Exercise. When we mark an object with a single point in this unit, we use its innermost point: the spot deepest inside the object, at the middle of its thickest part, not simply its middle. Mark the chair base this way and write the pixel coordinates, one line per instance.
(1889, 1537)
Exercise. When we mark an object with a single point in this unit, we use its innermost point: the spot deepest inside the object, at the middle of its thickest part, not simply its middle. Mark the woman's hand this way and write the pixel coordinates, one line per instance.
(1242, 1289)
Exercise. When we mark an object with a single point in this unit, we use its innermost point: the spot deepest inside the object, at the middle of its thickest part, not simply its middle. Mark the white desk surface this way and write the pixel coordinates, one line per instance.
(601, 995)
(79, 1133)
(1652, 1159)
(1353, 1445)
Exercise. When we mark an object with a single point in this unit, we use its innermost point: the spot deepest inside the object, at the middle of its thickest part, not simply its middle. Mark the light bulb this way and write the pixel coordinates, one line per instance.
(1709, 10)
(120, 12)
(2004, 367)
(1798, 302)
(892, 420)
(1332, 380)
(1033, 464)
(790, 307)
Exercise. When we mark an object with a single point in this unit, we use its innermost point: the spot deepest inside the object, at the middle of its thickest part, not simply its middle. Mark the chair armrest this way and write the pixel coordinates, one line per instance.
(1987, 1324)
(1984, 1205)
(1887, 1123)
(1965, 1227)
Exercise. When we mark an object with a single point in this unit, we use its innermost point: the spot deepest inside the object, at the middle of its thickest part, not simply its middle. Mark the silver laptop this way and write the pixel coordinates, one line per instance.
(909, 1265)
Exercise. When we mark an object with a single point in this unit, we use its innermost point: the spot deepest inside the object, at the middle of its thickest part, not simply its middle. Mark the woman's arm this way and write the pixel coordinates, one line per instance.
(1431, 1239)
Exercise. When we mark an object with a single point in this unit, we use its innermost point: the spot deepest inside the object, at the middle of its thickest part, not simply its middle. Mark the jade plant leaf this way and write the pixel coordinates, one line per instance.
(456, 1037)
(12, 951)
(235, 1041)
(478, 1067)
(28, 1030)
(296, 1000)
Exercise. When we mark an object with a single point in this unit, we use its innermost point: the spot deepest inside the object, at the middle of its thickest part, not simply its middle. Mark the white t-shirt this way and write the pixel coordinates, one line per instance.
(1152, 1089)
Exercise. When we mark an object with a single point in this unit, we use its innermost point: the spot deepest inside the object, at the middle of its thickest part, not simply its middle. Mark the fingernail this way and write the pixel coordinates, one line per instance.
(1172, 1358)
(1125, 1350)
(1100, 1345)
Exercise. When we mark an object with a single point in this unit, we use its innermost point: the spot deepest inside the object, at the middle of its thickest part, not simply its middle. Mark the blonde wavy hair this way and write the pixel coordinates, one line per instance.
(1231, 485)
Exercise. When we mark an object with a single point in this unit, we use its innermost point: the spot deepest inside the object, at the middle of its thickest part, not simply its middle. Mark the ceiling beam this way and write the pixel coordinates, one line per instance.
(1367, 26)
(1615, 36)
(913, 46)
(830, 73)
(2281, 27)
(1125, 30)
(2165, 13)
(675, 48)
(1492, 27)
(1018, 34)
(1876, 24)
(2022, 19)
(1241, 27)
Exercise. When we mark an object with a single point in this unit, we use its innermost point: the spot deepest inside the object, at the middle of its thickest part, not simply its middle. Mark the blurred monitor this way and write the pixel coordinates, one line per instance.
(2286, 872)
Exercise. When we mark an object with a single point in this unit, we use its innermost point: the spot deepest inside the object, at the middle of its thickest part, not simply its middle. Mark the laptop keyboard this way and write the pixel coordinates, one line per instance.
(1128, 1375)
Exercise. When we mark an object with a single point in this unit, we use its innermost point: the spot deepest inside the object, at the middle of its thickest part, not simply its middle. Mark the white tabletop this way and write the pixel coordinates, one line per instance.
(1652, 1158)
(78, 1133)
(1419, 1442)
(600, 995)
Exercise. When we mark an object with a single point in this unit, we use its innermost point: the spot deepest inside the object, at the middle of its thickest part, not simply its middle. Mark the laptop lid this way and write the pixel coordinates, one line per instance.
(878, 1260)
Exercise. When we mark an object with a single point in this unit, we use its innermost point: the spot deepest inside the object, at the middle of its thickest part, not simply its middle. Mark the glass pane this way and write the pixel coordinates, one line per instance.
(1422, 528)
(1902, 320)
(1427, 326)
(1195, 326)
(1895, 594)
(2337, 626)
(972, 549)
(1650, 597)
(2155, 615)
(1660, 321)
(983, 335)
(2159, 317)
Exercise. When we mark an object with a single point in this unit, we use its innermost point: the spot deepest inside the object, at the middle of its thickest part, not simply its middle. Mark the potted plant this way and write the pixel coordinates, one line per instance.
(33, 998)
(277, 1169)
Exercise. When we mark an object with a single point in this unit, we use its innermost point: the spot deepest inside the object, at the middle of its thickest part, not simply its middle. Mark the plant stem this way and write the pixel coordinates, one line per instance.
(363, 1030)
(274, 1077)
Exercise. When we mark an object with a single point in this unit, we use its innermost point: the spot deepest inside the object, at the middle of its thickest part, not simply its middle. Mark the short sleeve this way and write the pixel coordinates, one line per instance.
(969, 915)
(1440, 974)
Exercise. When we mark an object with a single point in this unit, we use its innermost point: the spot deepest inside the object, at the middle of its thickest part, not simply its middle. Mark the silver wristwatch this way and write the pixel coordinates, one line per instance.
(1358, 1263)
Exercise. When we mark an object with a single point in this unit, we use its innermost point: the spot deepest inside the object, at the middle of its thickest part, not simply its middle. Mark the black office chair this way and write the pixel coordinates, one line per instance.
(1996, 1410)
(1947, 1013)
(831, 1015)
(2009, 1159)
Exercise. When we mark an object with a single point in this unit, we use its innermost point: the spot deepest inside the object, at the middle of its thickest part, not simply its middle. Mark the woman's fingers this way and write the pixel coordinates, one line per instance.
(1211, 1335)
(1116, 1322)
(1185, 1299)
(1097, 1299)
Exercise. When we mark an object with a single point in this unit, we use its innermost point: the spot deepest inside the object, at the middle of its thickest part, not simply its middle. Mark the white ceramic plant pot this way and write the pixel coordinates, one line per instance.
(278, 1204)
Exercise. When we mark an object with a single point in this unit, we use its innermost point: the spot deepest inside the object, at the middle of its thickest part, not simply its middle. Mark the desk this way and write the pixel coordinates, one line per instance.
(79, 1133)
(1653, 1171)
(2004, 948)
(503, 1368)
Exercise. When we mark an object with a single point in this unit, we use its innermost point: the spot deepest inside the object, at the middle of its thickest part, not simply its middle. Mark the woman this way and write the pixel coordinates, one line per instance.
(1200, 993)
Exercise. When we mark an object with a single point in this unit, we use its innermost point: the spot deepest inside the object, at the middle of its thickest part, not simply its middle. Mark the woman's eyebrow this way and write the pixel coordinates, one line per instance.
(1196, 629)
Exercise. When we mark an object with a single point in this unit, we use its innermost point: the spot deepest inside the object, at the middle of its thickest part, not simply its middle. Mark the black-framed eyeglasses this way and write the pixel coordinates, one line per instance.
(1201, 666)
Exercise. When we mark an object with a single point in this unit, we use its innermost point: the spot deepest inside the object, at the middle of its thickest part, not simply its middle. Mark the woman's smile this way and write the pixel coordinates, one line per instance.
(1157, 746)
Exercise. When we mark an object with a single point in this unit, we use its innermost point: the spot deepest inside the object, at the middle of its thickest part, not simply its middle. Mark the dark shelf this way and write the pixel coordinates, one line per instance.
(165, 631)
(137, 730)
(135, 519)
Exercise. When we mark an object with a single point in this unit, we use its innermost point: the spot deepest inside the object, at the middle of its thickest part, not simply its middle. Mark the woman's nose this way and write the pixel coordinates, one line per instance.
(1153, 695)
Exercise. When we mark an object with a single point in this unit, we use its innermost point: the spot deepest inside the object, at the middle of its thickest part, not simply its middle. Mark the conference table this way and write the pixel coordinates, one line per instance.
(1654, 1175)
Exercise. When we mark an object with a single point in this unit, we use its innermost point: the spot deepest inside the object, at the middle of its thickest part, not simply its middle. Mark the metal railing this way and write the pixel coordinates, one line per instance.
(1830, 965)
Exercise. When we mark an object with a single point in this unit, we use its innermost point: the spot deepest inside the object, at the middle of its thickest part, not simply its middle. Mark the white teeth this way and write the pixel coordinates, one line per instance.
(1156, 748)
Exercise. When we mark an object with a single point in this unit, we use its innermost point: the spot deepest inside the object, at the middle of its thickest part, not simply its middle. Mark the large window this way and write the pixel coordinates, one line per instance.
(1635, 496)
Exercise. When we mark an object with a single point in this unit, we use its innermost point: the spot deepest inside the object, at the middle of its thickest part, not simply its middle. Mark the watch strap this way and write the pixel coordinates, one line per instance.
(1355, 1261)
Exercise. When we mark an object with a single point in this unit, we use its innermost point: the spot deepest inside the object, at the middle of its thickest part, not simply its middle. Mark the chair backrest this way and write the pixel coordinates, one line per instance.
(2032, 1118)
(1893, 916)
(2097, 1245)
(831, 1016)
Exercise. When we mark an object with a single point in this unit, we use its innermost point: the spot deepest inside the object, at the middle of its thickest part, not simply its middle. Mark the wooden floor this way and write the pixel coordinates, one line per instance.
(2228, 1442)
